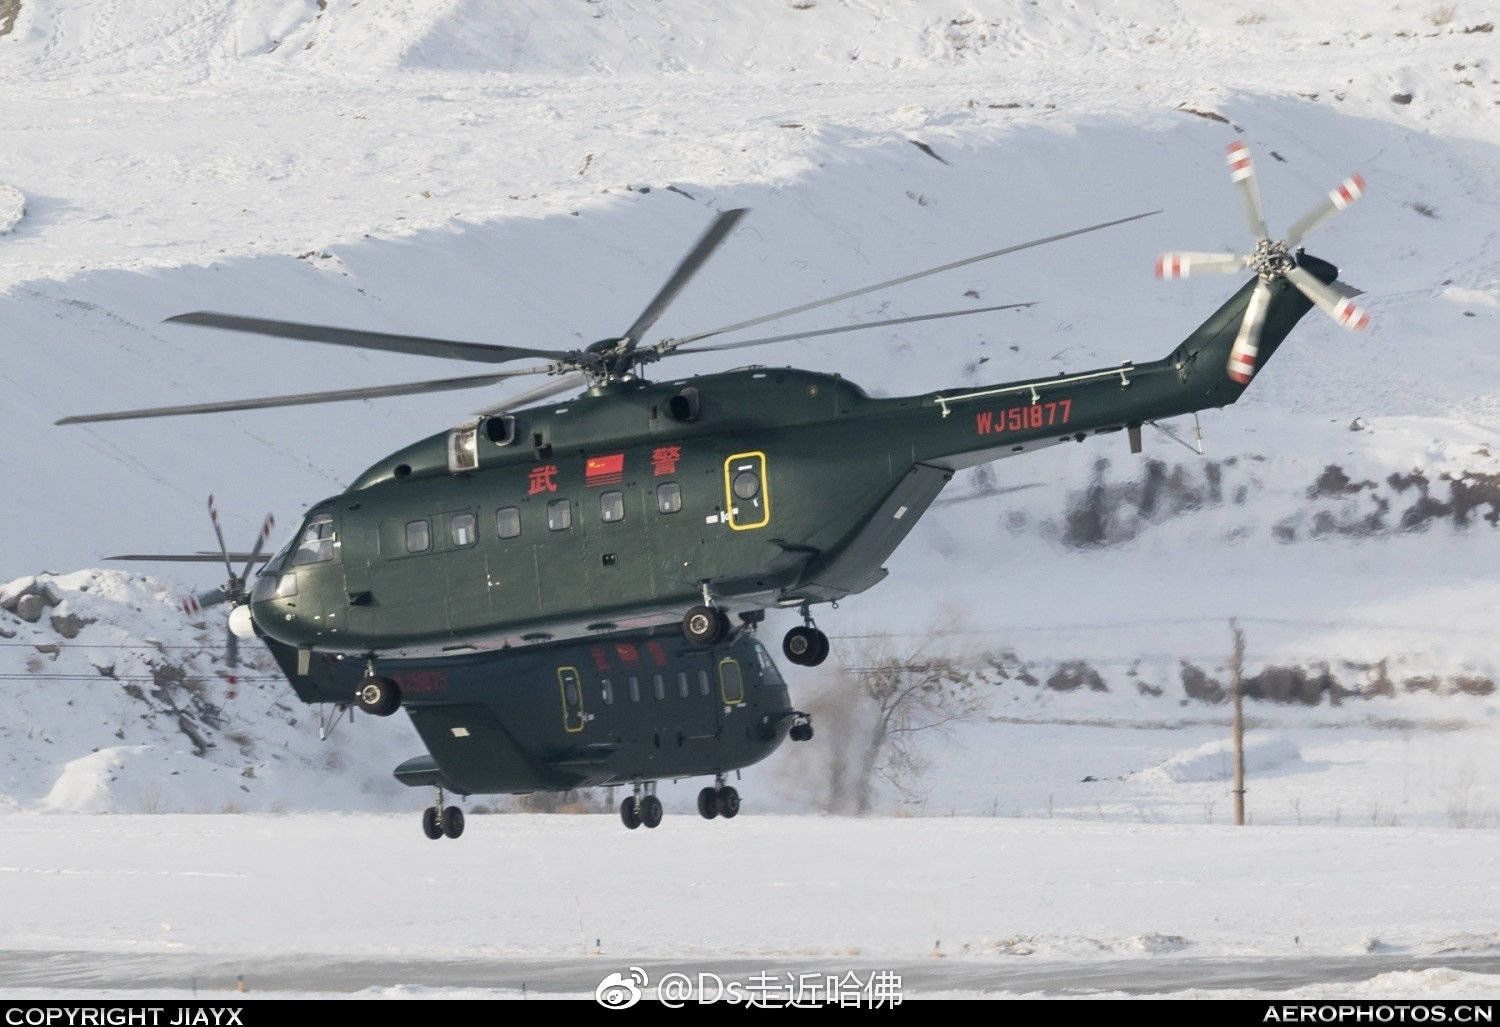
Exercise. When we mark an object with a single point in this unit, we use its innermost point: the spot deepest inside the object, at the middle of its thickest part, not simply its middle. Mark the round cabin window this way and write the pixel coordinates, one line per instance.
(746, 484)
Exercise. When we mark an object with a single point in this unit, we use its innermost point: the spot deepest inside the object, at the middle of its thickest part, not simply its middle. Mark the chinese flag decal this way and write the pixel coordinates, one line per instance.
(604, 470)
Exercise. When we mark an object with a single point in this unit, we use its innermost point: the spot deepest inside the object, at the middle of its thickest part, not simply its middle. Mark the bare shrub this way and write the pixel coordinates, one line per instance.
(873, 715)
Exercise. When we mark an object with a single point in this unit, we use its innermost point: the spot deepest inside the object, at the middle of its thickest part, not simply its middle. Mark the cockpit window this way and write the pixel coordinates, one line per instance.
(316, 543)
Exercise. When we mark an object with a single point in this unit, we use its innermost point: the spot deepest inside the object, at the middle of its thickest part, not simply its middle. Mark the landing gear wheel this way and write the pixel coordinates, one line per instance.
(431, 826)
(630, 814)
(801, 731)
(703, 626)
(650, 811)
(800, 645)
(805, 646)
(708, 803)
(729, 802)
(453, 821)
(378, 697)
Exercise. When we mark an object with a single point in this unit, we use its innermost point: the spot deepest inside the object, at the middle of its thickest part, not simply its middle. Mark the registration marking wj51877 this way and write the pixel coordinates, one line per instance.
(1021, 418)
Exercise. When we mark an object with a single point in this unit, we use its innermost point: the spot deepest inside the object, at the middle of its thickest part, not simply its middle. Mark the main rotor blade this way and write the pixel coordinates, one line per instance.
(183, 557)
(1339, 197)
(1332, 302)
(1182, 265)
(1243, 172)
(563, 384)
(667, 345)
(696, 258)
(213, 515)
(740, 343)
(413, 344)
(1246, 348)
(473, 381)
(231, 649)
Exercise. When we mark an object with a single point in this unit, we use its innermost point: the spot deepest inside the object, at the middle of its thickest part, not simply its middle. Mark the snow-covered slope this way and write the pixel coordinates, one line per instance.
(113, 702)
(502, 172)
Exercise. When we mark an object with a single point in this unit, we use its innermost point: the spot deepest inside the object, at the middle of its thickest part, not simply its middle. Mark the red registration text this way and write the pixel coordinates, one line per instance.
(1022, 418)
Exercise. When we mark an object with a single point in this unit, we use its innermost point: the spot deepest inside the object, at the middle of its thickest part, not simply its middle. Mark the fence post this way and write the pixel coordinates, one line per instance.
(1236, 665)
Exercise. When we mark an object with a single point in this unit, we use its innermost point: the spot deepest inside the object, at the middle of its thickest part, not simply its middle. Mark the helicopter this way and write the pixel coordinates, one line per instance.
(636, 505)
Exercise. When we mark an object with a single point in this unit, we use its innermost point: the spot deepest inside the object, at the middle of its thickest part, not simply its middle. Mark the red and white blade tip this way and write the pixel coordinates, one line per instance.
(1241, 371)
(1171, 265)
(1238, 155)
(190, 605)
(1350, 316)
(1347, 191)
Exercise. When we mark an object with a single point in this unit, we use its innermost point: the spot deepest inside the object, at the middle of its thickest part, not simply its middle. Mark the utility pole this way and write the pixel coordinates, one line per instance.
(1236, 665)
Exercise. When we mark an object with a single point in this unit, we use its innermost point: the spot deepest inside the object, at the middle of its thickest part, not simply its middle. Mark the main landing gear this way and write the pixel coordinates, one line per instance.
(642, 808)
(705, 626)
(377, 696)
(719, 801)
(805, 645)
(438, 821)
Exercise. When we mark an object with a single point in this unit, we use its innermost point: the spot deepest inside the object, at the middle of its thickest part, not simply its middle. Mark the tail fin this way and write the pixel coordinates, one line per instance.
(1216, 359)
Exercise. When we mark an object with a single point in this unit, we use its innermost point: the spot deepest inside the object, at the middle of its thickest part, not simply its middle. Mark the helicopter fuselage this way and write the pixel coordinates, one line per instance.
(618, 509)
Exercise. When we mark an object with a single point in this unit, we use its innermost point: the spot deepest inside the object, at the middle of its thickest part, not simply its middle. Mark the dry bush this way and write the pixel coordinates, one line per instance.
(873, 716)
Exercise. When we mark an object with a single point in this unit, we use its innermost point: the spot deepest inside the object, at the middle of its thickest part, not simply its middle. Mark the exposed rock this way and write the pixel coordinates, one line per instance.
(29, 607)
(68, 625)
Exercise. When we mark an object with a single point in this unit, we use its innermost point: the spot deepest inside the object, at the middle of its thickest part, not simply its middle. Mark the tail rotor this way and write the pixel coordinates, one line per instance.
(1272, 260)
(236, 589)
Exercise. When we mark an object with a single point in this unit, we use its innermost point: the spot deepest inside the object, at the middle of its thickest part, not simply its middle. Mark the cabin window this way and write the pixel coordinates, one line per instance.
(611, 506)
(559, 515)
(746, 484)
(635, 690)
(461, 528)
(660, 685)
(607, 692)
(682, 683)
(668, 497)
(316, 544)
(463, 448)
(703, 686)
(508, 521)
(418, 537)
(731, 684)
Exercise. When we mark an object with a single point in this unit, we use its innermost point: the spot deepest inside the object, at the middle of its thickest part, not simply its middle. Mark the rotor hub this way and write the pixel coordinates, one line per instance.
(1271, 260)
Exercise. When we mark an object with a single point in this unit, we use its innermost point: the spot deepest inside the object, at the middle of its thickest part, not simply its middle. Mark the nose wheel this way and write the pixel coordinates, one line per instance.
(377, 696)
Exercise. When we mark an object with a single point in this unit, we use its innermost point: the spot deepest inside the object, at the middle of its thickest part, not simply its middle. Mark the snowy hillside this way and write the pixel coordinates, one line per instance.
(528, 172)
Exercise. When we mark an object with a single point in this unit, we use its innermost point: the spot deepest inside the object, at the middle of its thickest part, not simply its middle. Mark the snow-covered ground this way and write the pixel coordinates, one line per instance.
(803, 889)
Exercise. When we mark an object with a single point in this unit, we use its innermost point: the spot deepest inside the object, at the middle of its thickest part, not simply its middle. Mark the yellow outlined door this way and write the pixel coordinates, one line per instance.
(731, 682)
(746, 495)
(572, 699)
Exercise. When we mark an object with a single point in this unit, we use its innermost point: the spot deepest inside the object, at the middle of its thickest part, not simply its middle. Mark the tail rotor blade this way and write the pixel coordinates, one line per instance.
(231, 648)
(1246, 348)
(260, 543)
(1184, 265)
(213, 515)
(1339, 197)
(1243, 172)
(1332, 302)
(196, 604)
